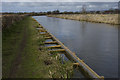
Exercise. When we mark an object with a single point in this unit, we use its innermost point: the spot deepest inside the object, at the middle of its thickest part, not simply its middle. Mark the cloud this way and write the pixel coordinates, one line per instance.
(91, 6)
(50, 6)
(60, 0)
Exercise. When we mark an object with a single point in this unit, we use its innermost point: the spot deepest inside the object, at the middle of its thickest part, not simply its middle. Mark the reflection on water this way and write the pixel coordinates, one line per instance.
(95, 43)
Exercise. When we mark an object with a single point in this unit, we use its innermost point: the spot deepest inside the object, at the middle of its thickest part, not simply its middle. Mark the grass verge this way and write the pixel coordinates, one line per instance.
(24, 58)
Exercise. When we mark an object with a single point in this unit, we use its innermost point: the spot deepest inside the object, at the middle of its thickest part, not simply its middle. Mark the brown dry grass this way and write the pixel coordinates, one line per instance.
(99, 18)
(8, 20)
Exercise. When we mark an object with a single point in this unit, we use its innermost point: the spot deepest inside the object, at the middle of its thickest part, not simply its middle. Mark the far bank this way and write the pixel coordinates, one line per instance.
(98, 18)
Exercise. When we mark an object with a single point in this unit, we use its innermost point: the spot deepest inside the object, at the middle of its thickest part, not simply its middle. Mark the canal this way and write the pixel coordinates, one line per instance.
(95, 43)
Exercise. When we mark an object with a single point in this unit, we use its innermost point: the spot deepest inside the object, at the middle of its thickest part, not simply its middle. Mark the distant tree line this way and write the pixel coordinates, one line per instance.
(110, 11)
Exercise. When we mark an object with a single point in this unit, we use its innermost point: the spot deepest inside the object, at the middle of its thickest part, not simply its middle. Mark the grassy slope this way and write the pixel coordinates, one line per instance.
(32, 61)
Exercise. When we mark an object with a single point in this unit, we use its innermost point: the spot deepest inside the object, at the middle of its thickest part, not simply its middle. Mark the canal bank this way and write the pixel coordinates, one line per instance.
(94, 43)
(98, 18)
(62, 49)
(24, 54)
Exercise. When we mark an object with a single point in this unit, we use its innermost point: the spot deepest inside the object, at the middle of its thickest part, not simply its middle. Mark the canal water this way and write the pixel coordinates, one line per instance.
(95, 43)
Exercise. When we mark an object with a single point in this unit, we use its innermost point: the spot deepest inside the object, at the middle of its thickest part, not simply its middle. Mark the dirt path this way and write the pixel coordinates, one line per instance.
(17, 60)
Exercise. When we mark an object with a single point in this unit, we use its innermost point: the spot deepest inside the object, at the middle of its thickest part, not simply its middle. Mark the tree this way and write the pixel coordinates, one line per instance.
(84, 9)
(49, 12)
(56, 12)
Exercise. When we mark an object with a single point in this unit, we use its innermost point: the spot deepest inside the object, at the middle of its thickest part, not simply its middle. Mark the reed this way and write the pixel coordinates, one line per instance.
(98, 18)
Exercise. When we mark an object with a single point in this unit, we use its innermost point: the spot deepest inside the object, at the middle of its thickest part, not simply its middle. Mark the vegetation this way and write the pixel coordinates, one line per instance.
(9, 19)
(24, 54)
(99, 18)
(82, 11)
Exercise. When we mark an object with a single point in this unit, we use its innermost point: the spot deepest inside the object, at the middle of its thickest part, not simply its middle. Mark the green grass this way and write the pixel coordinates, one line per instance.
(11, 38)
(32, 64)
(0, 53)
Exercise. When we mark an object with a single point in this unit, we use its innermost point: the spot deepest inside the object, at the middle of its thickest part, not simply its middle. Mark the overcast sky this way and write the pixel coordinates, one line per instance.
(60, 0)
(50, 6)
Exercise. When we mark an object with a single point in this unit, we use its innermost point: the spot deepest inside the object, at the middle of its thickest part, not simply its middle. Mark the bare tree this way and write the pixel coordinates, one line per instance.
(84, 9)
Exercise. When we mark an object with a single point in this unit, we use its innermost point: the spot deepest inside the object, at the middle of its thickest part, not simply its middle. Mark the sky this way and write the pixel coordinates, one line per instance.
(61, 5)
(51, 6)
(60, 0)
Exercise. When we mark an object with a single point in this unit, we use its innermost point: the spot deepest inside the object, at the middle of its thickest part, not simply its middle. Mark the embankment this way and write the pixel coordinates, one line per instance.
(25, 56)
(98, 18)
(8, 20)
